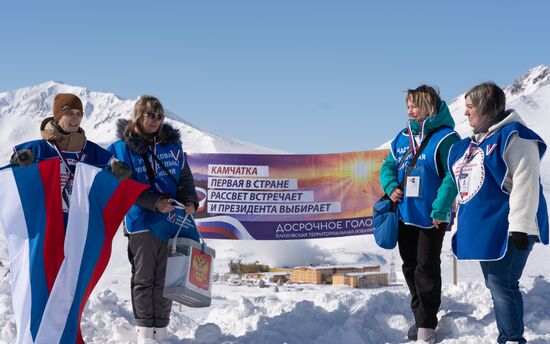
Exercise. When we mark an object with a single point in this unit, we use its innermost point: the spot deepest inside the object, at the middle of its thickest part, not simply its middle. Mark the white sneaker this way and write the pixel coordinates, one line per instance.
(161, 333)
(145, 335)
(426, 335)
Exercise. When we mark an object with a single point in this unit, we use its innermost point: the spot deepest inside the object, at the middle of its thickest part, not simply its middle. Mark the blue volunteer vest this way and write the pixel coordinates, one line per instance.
(416, 210)
(172, 156)
(483, 203)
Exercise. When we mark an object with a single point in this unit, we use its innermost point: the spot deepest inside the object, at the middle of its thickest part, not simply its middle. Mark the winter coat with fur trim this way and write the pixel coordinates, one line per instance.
(132, 148)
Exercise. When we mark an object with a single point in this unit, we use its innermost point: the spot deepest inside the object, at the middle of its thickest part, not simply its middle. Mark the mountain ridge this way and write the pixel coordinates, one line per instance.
(22, 110)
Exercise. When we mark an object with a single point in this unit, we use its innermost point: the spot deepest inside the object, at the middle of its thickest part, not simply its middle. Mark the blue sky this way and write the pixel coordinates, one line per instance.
(300, 76)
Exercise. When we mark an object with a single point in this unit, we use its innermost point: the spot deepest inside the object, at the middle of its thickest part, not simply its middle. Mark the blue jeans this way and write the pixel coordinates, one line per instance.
(502, 279)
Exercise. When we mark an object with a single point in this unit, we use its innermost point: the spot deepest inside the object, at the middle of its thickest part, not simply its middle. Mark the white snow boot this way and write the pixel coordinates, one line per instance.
(161, 333)
(426, 335)
(145, 335)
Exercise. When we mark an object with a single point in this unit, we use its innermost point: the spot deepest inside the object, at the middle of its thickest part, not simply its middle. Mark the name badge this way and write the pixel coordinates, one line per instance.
(412, 187)
(463, 185)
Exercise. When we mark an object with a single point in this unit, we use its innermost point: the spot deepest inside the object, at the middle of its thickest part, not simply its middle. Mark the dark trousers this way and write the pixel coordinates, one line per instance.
(148, 256)
(420, 250)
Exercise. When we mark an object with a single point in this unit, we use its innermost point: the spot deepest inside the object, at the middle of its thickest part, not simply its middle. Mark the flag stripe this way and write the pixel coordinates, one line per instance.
(212, 231)
(12, 219)
(113, 212)
(92, 249)
(31, 193)
(62, 295)
(55, 234)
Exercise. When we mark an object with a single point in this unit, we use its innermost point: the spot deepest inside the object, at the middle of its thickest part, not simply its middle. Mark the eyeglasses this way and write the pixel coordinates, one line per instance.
(157, 116)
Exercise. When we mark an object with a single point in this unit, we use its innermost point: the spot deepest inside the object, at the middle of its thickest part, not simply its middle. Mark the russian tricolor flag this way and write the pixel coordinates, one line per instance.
(53, 269)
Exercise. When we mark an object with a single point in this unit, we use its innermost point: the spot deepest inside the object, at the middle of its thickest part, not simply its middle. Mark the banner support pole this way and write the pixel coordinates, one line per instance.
(455, 270)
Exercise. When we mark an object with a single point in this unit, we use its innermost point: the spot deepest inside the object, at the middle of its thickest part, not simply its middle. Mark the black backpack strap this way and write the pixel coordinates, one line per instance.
(149, 169)
(415, 159)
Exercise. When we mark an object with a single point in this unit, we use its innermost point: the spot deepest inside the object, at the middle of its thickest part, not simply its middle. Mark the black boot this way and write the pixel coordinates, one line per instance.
(412, 333)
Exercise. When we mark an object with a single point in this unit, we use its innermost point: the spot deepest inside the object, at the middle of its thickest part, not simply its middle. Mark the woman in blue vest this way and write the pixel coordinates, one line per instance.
(154, 153)
(501, 208)
(424, 202)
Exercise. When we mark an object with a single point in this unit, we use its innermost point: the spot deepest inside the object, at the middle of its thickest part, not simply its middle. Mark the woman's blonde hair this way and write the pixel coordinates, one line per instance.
(426, 98)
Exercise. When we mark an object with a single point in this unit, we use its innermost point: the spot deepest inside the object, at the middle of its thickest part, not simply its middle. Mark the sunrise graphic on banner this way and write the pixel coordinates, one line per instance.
(270, 197)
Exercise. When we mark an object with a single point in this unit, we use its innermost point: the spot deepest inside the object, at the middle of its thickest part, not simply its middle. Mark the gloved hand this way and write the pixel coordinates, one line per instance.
(22, 158)
(164, 205)
(120, 169)
(190, 208)
(521, 240)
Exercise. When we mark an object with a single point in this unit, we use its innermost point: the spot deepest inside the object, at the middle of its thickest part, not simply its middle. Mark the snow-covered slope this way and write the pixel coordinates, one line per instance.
(22, 111)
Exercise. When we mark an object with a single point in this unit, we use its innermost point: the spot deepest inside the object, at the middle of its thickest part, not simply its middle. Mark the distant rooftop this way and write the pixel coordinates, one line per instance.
(323, 267)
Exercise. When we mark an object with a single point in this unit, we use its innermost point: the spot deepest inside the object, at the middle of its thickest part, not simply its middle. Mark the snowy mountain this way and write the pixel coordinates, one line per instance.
(294, 313)
(22, 111)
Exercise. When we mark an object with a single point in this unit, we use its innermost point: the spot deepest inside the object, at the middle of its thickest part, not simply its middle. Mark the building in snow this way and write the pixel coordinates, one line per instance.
(324, 274)
(361, 279)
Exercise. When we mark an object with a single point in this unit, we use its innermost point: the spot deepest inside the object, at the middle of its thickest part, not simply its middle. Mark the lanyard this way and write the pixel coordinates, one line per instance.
(64, 159)
(150, 173)
(67, 189)
(153, 152)
(470, 155)
(412, 142)
(472, 151)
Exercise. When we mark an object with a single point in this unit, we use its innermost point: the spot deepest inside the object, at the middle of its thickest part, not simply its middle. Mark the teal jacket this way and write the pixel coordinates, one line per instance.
(447, 191)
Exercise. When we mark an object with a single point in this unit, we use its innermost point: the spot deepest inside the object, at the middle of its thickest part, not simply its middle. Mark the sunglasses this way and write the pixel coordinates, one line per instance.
(157, 116)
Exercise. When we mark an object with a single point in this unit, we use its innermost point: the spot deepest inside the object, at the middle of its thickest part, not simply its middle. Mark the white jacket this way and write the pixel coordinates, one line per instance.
(522, 179)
